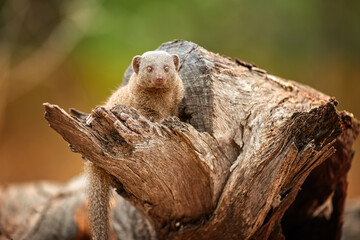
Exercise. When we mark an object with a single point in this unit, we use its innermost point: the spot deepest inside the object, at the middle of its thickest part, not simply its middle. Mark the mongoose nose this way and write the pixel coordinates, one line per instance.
(159, 79)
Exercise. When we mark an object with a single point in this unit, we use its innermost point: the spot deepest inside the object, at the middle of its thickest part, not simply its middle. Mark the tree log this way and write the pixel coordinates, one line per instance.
(230, 168)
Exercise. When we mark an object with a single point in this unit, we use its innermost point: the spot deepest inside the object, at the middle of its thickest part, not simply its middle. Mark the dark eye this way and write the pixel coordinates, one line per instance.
(166, 68)
(149, 69)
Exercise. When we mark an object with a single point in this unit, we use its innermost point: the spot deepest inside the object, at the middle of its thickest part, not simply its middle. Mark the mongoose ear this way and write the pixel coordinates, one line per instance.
(136, 63)
(176, 61)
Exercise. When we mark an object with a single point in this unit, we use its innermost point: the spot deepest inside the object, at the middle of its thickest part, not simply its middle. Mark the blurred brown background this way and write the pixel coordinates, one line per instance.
(74, 52)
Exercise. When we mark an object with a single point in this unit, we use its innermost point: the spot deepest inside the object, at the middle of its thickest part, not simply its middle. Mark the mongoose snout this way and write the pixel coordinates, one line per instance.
(159, 79)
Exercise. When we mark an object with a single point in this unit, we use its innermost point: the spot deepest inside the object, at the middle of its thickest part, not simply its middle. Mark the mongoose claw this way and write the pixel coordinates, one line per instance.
(89, 119)
(170, 119)
(131, 119)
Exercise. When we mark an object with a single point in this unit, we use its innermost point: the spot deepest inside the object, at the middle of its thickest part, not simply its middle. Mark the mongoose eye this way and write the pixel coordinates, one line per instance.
(166, 68)
(149, 69)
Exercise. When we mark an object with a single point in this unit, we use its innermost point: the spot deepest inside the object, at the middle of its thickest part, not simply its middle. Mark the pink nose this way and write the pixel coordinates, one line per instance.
(159, 79)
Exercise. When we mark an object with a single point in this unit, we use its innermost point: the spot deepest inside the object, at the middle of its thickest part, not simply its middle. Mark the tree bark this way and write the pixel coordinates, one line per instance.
(231, 168)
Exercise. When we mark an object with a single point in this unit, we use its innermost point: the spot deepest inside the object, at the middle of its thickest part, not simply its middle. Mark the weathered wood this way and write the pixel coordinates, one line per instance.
(321, 215)
(53, 211)
(231, 168)
(148, 183)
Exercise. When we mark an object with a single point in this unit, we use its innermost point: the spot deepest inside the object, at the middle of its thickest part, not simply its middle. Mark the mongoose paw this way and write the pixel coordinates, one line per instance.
(170, 120)
(173, 122)
(132, 126)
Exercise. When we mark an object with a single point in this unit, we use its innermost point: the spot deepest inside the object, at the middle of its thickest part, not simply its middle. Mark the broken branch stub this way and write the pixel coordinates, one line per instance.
(235, 163)
(152, 163)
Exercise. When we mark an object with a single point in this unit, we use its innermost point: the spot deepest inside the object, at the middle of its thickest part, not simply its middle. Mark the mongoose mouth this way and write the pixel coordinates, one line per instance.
(157, 86)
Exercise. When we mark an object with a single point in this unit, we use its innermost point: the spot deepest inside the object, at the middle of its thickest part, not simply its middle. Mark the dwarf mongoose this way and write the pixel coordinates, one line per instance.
(155, 90)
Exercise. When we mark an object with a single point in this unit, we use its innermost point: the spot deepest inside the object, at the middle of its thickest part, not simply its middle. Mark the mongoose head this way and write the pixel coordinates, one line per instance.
(156, 69)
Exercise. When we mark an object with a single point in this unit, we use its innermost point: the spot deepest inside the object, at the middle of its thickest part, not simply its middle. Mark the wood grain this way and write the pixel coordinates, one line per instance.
(231, 168)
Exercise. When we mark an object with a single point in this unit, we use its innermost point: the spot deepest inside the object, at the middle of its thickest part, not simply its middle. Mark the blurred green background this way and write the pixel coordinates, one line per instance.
(74, 52)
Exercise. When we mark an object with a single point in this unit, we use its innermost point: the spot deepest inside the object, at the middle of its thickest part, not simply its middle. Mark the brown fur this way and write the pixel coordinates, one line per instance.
(154, 101)
(156, 95)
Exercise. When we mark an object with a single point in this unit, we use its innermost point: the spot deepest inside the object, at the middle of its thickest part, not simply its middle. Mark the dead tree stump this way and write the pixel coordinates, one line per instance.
(253, 157)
